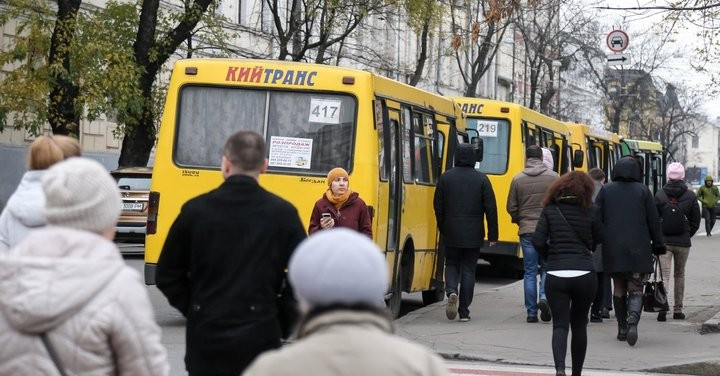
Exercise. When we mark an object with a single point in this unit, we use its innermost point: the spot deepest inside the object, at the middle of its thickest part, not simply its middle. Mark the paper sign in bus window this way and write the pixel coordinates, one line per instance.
(487, 128)
(290, 152)
(326, 111)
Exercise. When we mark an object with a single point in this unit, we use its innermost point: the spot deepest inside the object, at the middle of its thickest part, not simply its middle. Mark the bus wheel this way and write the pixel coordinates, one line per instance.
(433, 296)
(393, 304)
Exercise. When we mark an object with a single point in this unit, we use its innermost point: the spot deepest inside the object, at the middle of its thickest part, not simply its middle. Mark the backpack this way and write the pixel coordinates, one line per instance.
(673, 217)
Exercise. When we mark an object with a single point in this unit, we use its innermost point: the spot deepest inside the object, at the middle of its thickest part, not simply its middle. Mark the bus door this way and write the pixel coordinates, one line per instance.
(390, 193)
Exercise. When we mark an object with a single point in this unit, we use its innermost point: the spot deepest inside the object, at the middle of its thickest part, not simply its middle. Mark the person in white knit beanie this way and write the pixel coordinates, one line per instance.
(68, 282)
(340, 277)
(81, 194)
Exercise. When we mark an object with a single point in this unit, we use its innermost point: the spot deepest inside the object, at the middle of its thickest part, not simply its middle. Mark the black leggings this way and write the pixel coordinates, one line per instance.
(570, 300)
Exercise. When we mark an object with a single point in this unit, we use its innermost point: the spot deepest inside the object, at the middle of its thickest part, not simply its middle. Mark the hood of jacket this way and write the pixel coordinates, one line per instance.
(27, 203)
(675, 188)
(51, 275)
(534, 167)
(708, 178)
(627, 169)
(465, 156)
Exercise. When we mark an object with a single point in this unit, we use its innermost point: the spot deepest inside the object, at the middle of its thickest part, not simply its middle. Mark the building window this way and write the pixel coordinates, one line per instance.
(695, 141)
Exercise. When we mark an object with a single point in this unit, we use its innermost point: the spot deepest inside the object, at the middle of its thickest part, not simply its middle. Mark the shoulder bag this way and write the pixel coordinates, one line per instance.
(53, 354)
(655, 296)
(587, 248)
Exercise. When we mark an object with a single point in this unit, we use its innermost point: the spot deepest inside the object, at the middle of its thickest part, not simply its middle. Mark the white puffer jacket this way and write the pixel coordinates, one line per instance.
(75, 286)
(24, 211)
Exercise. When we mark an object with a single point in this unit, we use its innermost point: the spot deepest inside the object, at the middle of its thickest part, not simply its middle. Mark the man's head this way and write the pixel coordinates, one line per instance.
(597, 174)
(534, 151)
(708, 181)
(244, 154)
(338, 267)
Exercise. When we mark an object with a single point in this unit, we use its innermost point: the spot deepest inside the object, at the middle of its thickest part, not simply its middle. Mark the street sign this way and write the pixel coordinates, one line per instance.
(618, 59)
(617, 40)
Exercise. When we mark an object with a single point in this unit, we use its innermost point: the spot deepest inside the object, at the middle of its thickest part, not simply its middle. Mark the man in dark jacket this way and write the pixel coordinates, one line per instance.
(676, 196)
(463, 198)
(223, 264)
(632, 235)
(524, 204)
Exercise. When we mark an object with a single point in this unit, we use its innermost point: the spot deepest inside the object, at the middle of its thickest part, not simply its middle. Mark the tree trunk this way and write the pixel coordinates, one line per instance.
(62, 113)
(420, 65)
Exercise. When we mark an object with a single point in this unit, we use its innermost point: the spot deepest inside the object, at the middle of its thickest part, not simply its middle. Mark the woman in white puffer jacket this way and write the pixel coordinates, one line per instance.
(69, 282)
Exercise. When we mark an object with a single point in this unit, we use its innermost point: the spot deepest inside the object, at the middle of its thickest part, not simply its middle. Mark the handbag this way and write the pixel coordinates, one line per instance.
(655, 296)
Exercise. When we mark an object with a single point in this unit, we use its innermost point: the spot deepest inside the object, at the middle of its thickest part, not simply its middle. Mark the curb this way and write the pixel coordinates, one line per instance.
(712, 325)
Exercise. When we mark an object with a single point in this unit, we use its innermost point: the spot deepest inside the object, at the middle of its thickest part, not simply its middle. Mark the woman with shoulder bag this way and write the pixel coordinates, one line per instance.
(678, 228)
(566, 235)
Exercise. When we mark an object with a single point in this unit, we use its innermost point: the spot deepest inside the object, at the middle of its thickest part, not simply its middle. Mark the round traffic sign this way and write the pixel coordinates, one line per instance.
(617, 40)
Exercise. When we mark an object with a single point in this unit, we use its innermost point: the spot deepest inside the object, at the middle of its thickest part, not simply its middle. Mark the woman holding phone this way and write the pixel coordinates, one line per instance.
(340, 206)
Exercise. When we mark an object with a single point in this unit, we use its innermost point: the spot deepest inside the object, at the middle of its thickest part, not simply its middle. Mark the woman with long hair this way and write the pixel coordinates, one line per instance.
(566, 235)
(340, 207)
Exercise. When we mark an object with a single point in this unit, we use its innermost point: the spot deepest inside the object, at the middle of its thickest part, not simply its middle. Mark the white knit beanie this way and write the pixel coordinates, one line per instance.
(338, 266)
(81, 194)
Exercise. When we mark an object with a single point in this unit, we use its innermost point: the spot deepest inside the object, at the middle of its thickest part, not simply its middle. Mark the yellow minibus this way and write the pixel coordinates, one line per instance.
(652, 158)
(506, 129)
(393, 139)
(601, 148)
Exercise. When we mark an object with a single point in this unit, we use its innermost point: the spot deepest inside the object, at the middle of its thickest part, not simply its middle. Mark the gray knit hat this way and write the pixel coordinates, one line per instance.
(81, 194)
(338, 266)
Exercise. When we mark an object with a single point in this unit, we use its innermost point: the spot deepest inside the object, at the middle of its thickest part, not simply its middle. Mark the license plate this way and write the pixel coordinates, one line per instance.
(134, 206)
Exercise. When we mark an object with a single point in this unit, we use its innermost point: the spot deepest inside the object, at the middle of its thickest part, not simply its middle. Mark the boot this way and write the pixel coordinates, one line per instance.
(620, 303)
(634, 307)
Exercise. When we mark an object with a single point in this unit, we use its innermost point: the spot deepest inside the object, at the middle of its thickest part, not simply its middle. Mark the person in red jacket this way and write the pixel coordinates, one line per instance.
(340, 206)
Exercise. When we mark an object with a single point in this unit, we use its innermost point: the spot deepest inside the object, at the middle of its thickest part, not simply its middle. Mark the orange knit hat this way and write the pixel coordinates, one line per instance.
(336, 173)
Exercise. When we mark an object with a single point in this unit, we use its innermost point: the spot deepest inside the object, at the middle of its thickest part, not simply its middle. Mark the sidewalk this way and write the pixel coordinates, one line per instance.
(498, 332)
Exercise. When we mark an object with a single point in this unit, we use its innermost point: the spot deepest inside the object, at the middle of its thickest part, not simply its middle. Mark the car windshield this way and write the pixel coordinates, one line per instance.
(495, 134)
(306, 133)
(133, 183)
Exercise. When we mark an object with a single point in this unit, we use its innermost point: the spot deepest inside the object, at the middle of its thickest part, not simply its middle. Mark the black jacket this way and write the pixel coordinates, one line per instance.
(630, 220)
(567, 243)
(688, 203)
(222, 266)
(463, 198)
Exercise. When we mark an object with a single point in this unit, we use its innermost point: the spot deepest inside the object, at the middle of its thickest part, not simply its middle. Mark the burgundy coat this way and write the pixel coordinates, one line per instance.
(353, 214)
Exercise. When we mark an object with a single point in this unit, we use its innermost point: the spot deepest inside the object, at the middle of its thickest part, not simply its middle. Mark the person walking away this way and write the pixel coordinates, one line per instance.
(680, 217)
(524, 204)
(548, 160)
(344, 326)
(566, 235)
(599, 308)
(340, 206)
(709, 196)
(24, 209)
(464, 198)
(632, 235)
(67, 283)
(223, 264)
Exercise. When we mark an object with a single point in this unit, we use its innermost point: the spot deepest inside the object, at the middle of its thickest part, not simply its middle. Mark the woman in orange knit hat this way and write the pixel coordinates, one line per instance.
(340, 206)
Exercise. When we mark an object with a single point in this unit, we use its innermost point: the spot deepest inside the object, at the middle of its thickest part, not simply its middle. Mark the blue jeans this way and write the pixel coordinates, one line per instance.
(531, 259)
(460, 265)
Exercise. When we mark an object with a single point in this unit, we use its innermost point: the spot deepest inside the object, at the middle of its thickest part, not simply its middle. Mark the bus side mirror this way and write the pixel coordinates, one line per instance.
(477, 143)
(578, 157)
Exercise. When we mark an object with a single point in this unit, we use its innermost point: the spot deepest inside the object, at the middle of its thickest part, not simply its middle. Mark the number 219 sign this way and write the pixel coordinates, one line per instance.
(487, 128)
(325, 111)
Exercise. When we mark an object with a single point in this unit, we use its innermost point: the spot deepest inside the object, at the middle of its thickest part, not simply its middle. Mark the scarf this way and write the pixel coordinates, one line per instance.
(338, 201)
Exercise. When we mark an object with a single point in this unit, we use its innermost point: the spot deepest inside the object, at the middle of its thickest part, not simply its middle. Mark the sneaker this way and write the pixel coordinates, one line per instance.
(545, 314)
(662, 316)
(678, 316)
(605, 313)
(452, 306)
(465, 319)
(595, 317)
(532, 319)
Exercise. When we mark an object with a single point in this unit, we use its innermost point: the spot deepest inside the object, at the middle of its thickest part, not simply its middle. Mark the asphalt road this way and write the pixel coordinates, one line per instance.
(173, 324)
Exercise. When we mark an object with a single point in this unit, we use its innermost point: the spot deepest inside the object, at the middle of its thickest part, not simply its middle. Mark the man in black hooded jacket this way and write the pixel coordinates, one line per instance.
(632, 235)
(463, 198)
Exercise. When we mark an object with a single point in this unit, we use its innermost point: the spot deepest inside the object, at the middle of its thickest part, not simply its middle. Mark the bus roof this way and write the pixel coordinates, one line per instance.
(644, 145)
(594, 132)
(494, 108)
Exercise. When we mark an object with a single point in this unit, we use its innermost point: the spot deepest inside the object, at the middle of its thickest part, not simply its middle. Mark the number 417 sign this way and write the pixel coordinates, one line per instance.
(326, 111)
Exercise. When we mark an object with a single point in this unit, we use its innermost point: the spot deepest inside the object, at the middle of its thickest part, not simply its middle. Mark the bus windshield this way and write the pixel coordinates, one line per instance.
(306, 133)
(496, 136)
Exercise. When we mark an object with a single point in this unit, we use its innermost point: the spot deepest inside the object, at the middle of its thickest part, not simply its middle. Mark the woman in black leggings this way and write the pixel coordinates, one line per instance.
(566, 235)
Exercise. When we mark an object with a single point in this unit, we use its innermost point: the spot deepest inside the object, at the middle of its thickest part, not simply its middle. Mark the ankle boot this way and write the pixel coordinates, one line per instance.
(620, 304)
(634, 307)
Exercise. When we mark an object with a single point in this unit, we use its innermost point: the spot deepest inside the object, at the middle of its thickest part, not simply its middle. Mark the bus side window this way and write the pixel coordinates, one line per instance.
(530, 135)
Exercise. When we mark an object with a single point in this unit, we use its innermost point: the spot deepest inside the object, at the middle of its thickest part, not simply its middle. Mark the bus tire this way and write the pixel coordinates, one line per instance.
(395, 302)
(433, 296)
